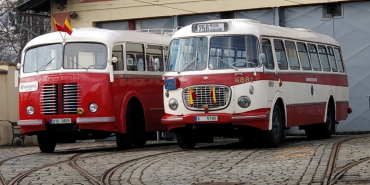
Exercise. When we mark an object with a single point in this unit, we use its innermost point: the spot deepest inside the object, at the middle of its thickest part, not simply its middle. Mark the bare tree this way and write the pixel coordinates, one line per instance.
(17, 28)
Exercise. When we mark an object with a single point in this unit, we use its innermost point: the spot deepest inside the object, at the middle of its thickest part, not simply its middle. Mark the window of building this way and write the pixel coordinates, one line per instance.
(324, 58)
(280, 54)
(332, 10)
(292, 55)
(303, 56)
(315, 61)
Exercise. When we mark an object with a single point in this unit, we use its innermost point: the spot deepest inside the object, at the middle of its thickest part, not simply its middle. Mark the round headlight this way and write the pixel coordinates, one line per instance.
(30, 110)
(93, 107)
(251, 89)
(244, 101)
(173, 104)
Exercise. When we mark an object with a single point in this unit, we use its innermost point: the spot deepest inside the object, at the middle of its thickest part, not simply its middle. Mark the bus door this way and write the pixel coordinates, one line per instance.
(270, 70)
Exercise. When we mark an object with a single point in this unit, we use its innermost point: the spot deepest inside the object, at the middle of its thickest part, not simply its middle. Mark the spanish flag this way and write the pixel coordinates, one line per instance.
(66, 28)
(213, 95)
(192, 96)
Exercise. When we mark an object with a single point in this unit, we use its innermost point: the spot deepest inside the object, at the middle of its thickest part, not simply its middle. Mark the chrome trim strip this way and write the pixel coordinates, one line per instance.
(95, 119)
(173, 119)
(30, 122)
(248, 117)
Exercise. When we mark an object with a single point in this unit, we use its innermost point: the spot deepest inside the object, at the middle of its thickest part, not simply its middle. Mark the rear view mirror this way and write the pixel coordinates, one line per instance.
(114, 59)
(19, 66)
(261, 58)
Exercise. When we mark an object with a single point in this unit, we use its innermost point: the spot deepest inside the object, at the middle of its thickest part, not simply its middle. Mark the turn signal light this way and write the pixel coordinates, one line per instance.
(80, 111)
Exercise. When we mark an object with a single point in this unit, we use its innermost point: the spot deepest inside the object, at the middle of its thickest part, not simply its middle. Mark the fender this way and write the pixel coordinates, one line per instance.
(327, 104)
(122, 114)
(278, 95)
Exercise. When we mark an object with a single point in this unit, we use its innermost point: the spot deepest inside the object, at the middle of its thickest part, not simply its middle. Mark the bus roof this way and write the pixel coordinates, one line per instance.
(247, 26)
(108, 37)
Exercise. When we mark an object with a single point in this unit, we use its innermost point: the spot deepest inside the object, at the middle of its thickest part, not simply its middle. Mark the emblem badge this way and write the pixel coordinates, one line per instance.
(205, 78)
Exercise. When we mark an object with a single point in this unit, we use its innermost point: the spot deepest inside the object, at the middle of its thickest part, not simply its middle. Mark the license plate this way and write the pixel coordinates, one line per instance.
(60, 121)
(205, 118)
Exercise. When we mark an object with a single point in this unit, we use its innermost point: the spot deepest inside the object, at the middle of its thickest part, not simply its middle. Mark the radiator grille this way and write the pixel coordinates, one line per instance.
(203, 93)
(71, 97)
(49, 99)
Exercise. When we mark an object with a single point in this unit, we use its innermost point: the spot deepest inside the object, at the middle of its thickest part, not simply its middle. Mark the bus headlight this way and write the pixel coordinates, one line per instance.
(173, 104)
(93, 107)
(30, 110)
(244, 101)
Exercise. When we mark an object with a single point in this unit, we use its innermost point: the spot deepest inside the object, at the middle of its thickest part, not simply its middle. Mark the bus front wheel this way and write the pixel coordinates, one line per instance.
(47, 142)
(186, 140)
(274, 136)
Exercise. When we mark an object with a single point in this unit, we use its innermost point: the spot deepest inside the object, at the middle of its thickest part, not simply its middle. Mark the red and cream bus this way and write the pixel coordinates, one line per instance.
(91, 84)
(239, 77)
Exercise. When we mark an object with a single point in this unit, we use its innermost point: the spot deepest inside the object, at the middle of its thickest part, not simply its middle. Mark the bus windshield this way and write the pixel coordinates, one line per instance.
(233, 52)
(85, 56)
(188, 54)
(43, 58)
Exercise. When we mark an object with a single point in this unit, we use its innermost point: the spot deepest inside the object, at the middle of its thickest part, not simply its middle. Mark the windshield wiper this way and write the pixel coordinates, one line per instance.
(188, 64)
(37, 71)
(218, 58)
(79, 65)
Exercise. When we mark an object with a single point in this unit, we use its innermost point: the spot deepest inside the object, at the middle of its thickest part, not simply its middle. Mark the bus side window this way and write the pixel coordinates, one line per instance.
(339, 60)
(280, 54)
(135, 63)
(303, 56)
(118, 52)
(266, 48)
(324, 58)
(332, 59)
(154, 58)
(292, 55)
(314, 57)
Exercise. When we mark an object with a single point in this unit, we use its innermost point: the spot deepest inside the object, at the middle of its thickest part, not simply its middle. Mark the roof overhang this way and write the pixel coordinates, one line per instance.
(36, 5)
(2, 71)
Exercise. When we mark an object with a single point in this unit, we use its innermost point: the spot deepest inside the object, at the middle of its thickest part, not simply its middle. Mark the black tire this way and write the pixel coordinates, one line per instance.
(47, 142)
(322, 130)
(123, 141)
(185, 140)
(312, 131)
(138, 130)
(273, 137)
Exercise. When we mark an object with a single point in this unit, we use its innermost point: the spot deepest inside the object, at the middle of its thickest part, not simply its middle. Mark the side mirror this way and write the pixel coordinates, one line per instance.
(262, 58)
(19, 66)
(114, 59)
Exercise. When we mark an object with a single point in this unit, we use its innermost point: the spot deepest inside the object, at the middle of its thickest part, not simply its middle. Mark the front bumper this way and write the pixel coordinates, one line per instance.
(256, 119)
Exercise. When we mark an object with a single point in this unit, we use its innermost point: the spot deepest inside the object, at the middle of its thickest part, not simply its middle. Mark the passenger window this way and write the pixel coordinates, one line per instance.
(154, 58)
(134, 57)
(280, 54)
(303, 56)
(292, 55)
(332, 59)
(266, 48)
(314, 57)
(118, 52)
(324, 58)
(338, 58)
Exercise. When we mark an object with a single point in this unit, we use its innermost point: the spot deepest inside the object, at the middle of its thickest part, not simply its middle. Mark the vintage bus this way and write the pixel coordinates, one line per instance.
(91, 85)
(239, 77)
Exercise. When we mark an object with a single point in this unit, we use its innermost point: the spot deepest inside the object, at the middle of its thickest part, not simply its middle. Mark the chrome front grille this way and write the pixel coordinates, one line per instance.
(203, 93)
(71, 98)
(49, 99)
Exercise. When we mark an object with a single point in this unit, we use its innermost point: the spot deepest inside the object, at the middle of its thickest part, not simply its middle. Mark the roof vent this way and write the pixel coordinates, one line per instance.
(303, 29)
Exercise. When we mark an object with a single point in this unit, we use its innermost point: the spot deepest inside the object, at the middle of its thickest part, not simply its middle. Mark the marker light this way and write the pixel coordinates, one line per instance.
(30, 110)
(251, 89)
(80, 111)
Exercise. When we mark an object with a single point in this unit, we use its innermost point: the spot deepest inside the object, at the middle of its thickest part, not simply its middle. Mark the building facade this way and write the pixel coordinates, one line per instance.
(346, 21)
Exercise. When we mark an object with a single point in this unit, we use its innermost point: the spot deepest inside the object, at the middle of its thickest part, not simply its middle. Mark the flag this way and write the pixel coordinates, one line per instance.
(66, 28)
(213, 95)
(192, 96)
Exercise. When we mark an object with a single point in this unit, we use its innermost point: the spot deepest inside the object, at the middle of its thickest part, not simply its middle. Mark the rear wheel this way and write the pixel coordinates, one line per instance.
(322, 130)
(47, 142)
(186, 140)
(274, 136)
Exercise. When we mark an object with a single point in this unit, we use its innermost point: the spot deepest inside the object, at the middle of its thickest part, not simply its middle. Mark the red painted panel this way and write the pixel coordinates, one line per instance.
(341, 112)
(290, 116)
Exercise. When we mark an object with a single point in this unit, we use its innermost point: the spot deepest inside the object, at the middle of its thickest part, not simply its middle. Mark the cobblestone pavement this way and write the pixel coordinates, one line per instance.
(295, 161)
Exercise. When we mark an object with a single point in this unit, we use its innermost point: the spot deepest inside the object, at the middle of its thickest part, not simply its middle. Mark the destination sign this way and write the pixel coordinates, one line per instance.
(209, 27)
